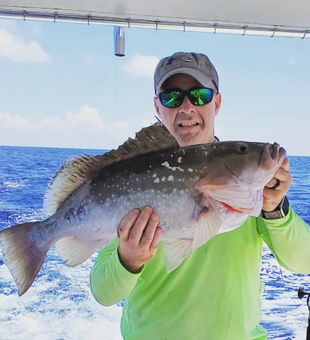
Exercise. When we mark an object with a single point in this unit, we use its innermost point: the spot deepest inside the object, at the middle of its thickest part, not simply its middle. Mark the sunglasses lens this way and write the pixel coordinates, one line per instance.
(171, 98)
(201, 96)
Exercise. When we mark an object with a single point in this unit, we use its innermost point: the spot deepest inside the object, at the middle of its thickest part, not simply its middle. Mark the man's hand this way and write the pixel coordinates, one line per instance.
(139, 236)
(272, 197)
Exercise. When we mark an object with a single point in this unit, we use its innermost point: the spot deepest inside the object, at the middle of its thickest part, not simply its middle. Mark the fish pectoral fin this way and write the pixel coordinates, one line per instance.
(74, 251)
(175, 251)
(207, 227)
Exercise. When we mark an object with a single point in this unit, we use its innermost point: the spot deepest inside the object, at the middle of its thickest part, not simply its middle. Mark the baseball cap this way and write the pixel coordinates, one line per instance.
(196, 65)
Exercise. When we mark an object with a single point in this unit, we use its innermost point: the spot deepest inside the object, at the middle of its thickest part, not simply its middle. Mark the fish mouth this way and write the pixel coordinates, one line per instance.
(277, 153)
(272, 156)
(274, 151)
(282, 153)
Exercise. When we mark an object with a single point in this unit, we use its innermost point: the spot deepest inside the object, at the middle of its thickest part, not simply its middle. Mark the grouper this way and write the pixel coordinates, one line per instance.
(89, 195)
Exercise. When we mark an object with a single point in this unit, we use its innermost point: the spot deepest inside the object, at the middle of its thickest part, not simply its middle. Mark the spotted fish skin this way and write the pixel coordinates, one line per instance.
(177, 182)
(163, 180)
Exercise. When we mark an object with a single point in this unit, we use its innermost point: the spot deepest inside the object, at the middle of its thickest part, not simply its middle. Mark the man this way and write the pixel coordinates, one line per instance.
(215, 293)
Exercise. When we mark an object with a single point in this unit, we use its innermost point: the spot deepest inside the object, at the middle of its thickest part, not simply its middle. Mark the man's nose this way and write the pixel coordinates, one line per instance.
(186, 106)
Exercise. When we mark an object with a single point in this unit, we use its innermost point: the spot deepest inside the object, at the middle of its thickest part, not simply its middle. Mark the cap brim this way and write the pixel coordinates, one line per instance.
(199, 76)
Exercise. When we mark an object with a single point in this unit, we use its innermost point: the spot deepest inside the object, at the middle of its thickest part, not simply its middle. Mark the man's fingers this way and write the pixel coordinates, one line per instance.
(285, 165)
(271, 184)
(149, 231)
(138, 230)
(126, 223)
(156, 239)
(282, 175)
(281, 181)
(140, 224)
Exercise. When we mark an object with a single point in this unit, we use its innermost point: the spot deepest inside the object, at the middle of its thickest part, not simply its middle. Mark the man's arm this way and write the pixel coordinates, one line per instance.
(120, 264)
(288, 237)
(289, 240)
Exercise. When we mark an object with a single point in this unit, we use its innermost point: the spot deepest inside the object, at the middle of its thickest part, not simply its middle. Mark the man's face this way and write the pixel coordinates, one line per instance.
(188, 124)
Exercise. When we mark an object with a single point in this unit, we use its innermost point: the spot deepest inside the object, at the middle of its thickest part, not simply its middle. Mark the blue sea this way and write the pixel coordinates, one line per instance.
(59, 305)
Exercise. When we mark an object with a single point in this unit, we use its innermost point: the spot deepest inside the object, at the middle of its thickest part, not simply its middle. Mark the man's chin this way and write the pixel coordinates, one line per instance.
(188, 139)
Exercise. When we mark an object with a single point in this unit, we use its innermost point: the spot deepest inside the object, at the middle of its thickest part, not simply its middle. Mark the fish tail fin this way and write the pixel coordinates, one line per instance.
(22, 255)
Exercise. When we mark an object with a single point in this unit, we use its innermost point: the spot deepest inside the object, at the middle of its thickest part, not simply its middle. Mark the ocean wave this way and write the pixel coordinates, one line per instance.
(35, 215)
(15, 184)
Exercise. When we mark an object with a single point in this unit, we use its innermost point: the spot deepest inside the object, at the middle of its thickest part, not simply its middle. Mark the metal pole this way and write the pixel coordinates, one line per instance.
(301, 294)
(119, 41)
(308, 328)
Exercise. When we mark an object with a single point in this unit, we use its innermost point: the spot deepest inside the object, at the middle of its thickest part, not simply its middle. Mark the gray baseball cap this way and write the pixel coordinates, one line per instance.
(196, 65)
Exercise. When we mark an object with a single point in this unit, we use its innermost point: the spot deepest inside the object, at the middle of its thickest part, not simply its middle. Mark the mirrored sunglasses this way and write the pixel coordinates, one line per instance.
(198, 96)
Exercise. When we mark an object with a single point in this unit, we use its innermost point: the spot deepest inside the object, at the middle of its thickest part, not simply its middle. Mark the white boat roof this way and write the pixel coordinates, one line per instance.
(253, 17)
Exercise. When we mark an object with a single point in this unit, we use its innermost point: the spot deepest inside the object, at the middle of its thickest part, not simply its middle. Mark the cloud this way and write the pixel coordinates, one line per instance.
(89, 58)
(85, 128)
(141, 65)
(21, 51)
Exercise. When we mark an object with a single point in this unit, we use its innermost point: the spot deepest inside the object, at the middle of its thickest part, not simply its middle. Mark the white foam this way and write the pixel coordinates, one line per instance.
(13, 184)
(56, 307)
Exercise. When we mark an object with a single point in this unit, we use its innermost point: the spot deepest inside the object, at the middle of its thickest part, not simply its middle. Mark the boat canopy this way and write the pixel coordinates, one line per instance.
(246, 17)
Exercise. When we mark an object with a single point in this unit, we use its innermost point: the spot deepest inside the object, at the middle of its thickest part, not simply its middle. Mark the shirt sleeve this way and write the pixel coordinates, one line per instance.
(289, 240)
(110, 281)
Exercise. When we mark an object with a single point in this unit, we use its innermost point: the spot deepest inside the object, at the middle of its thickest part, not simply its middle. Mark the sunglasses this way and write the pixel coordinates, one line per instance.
(198, 96)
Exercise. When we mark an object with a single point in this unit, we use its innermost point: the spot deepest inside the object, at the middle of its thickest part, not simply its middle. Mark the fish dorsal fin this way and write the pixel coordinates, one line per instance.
(150, 139)
(68, 178)
(72, 174)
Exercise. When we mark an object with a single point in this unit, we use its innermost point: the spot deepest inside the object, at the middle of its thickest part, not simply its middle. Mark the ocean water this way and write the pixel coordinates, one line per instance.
(59, 304)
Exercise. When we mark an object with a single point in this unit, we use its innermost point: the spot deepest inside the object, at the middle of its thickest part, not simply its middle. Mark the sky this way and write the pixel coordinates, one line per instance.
(62, 86)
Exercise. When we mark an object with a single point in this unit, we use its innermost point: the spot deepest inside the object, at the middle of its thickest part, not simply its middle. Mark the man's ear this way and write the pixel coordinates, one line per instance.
(218, 101)
(156, 105)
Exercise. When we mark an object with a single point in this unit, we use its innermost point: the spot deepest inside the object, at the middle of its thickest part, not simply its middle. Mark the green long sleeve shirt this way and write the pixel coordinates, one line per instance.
(215, 294)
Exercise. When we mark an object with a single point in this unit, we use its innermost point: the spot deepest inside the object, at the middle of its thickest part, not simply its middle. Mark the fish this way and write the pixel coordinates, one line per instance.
(89, 195)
